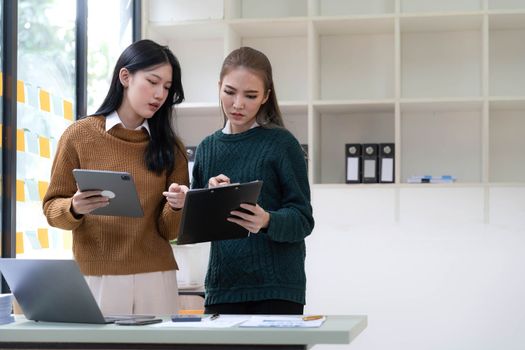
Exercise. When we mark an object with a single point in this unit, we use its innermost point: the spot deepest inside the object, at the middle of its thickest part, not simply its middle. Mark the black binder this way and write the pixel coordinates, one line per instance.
(370, 163)
(386, 162)
(205, 212)
(353, 163)
(190, 153)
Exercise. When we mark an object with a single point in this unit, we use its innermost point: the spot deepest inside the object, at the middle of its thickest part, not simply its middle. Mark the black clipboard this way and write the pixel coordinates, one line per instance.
(118, 186)
(205, 212)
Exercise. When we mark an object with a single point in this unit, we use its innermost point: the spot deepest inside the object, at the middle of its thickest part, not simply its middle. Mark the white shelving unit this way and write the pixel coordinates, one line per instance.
(444, 80)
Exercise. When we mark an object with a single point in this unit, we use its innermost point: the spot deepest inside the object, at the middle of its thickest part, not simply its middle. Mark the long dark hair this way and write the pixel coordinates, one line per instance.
(140, 55)
(269, 115)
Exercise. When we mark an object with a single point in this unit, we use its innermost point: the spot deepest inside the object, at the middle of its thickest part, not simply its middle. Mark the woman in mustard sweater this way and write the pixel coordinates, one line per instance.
(128, 262)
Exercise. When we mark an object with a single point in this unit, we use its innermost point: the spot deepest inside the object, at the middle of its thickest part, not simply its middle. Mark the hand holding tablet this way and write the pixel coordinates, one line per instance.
(117, 189)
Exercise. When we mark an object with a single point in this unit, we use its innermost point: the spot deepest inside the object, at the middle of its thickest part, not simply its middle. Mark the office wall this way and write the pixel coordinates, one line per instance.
(425, 267)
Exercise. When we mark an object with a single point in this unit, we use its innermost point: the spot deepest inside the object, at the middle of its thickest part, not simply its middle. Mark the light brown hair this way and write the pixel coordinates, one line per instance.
(269, 115)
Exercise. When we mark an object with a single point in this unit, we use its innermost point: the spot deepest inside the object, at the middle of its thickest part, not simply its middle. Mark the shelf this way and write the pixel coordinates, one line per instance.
(408, 6)
(452, 57)
(441, 79)
(507, 55)
(188, 30)
(196, 108)
(200, 73)
(441, 141)
(441, 22)
(354, 25)
(297, 124)
(356, 66)
(336, 127)
(506, 5)
(205, 118)
(183, 10)
(507, 21)
(506, 103)
(337, 107)
(442, 104)
(507, 144)
(268, 8)
(270, 28)
(293, 107)
(288, 56)
(342, 7)
(407, 185)
(201, 125)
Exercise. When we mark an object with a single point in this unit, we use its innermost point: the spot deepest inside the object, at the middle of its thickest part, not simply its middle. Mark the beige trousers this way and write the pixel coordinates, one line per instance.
(153, 293)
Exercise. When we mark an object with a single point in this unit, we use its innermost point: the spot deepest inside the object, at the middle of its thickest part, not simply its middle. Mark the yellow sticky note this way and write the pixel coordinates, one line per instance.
(20, 140)
(45, 150)
(68, 110)
(45, 100)
(20, 191)
(68, 240)
(19, 243)
(20, 91)
(42, 188)
(43, 237)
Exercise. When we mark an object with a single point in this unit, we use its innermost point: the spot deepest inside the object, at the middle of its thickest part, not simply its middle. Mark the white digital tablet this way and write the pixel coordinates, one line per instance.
(117, 186)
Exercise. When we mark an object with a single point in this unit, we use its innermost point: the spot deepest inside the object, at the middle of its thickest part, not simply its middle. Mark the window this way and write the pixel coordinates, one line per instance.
(46, 92)
(109, 33)
(45, 95)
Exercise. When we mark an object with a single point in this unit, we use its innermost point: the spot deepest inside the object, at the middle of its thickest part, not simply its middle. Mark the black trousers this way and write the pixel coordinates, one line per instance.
(262, 307)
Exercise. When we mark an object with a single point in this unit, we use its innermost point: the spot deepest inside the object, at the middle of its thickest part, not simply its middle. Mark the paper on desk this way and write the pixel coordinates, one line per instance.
(282, 322)
(224, 321)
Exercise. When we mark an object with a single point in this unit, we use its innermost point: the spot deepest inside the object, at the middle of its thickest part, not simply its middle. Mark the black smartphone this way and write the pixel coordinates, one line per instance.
(185, 318)
(138, 321)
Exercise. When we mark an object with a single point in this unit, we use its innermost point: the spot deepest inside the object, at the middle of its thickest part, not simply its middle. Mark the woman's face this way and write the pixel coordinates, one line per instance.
(242, 93)
(145, 91)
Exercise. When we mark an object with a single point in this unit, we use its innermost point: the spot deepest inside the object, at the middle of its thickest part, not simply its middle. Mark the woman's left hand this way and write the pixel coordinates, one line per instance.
(255, 219)
(176, 195)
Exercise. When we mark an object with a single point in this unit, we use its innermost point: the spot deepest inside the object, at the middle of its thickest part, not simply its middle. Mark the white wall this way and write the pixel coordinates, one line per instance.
(443, 281)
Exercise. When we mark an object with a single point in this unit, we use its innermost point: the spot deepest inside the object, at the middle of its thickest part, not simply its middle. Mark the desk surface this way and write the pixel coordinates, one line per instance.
(335, 330)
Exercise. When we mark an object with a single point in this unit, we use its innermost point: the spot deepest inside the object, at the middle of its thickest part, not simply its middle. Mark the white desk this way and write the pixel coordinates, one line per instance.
(25, 334)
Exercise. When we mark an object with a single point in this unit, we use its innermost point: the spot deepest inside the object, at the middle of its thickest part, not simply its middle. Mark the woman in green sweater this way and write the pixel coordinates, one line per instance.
(128, 262)
(263, 273)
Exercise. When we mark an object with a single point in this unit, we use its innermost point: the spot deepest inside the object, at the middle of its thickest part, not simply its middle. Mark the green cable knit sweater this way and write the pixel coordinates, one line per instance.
(270, 264)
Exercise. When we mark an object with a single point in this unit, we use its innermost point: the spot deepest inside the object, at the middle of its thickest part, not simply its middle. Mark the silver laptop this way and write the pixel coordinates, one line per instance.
(54, 291)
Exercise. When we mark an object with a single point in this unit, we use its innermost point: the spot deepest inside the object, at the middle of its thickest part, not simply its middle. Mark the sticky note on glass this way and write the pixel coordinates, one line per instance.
(45, 150)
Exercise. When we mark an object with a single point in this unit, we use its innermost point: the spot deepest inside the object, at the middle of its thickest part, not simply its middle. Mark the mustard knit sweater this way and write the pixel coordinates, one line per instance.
(112, 245)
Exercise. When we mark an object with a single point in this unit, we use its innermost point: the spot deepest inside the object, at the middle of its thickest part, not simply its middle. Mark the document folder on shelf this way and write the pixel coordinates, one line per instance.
(205, 212)
(370, 163)
(386, 162)
(190, 153)
(353, 162)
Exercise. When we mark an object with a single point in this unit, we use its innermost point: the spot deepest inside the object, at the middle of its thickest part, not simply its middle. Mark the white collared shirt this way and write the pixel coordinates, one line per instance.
(113, 120)
(228, 128)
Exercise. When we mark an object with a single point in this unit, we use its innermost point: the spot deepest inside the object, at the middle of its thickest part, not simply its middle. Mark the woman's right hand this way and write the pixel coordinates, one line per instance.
(84, 202)
(218, 180)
